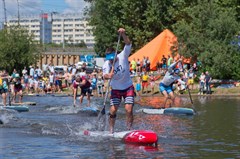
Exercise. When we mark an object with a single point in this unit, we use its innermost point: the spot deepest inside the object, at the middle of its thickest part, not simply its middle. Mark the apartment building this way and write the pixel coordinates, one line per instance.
(56, 28)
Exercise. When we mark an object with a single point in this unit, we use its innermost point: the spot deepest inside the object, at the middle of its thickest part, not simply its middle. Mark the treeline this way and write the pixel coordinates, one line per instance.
(17, 49)
(207, 30)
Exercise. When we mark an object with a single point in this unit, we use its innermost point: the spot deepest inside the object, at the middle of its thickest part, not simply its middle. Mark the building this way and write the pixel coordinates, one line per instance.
(56, 28)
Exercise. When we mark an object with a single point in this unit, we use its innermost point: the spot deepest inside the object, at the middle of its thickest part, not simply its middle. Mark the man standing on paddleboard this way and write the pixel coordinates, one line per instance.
(170, 77)
(121, 83)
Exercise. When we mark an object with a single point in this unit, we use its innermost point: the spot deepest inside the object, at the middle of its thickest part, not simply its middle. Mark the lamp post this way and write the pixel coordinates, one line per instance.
(63, 38)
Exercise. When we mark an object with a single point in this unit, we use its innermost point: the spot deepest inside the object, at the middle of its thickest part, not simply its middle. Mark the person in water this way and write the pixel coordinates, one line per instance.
(17, 88)
(121, 82)
(3, 87)
(165, 86)
(85, 86)
(75, 85)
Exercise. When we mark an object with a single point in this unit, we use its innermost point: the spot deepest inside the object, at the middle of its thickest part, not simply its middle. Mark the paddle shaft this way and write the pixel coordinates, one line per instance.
(190, 96)
(109, 81)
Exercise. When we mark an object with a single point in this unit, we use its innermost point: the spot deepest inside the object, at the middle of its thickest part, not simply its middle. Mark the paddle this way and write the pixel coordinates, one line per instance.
(103, 111)
(190, 96)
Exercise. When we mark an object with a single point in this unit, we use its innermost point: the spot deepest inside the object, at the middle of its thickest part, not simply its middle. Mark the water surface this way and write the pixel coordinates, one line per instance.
(52, 129)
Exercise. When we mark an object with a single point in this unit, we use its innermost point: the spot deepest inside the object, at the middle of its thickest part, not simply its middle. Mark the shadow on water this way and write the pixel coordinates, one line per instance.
(53, 128)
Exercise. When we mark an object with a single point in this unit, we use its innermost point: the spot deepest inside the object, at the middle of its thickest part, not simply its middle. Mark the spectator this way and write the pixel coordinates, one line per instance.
(100, 85)
(138, 86)
(145, 78)
(134, 65)
(31, 71)
(191, 79)
(164, 62)
(208, 79)
(147, 64)
(169, 61)
(24, 71)
(159, 66)
(94, 84)
(45, 69)
(138, 65)
(201, 83)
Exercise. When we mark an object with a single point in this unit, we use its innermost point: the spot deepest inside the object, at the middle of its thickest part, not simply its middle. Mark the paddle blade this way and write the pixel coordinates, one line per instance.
(101, 123)
(103, 111)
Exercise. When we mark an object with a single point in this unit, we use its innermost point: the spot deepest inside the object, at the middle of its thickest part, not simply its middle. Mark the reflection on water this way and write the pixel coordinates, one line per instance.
(53, 128)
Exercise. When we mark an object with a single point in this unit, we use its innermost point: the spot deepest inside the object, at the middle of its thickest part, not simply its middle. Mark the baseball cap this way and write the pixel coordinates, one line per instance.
(110, 56)
(177, 71)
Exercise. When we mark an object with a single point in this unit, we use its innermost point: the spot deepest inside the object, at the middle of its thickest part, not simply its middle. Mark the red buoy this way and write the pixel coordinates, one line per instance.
(141, 137)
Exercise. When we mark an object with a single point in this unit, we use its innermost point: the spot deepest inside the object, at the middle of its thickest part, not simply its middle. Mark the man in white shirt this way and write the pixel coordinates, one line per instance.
(51, 68)
(121, 83)
(39, 71)
(24, 71)
(32, 71)
(45, 69)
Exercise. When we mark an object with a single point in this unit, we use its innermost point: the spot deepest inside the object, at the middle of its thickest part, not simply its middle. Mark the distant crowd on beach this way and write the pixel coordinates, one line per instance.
(146, 78)
(33, 79)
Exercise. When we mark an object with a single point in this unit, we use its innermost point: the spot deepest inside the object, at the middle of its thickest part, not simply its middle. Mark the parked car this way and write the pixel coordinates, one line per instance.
(89, 66)
(59, 69)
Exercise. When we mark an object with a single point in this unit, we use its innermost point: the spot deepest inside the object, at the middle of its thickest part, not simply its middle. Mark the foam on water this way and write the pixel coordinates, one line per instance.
(7, 115)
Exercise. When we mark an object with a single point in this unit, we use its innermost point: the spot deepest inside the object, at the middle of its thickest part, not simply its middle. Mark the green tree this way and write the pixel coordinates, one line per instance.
(143, 20)
(206, 34)
(17, 49)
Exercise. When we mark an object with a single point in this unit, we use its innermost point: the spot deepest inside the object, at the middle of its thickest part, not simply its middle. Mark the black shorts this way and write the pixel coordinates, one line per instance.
(85, 90)
(2, 90)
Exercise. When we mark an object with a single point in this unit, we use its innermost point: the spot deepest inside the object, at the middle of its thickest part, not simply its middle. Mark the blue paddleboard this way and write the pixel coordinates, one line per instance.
(173, 110)
(19, 108)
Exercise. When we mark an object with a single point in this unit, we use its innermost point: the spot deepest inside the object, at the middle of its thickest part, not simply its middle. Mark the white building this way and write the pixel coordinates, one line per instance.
(57, 28)
(31, 23)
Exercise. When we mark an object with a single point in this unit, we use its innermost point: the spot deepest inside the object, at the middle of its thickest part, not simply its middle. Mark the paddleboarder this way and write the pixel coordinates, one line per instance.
(170, 77)
(17, 88)
(3, 88)
(121, 83)
(85, 85)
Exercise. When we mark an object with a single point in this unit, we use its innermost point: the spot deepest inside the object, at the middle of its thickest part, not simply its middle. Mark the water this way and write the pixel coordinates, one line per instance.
(52, 129)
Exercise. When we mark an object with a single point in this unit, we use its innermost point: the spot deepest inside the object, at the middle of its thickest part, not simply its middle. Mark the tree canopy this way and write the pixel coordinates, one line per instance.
(206, 29)
(17, 49)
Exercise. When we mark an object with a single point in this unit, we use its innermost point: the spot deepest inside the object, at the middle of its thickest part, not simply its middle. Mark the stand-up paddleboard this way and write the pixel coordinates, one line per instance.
(20, 108)
(142, 137)
(53, 95)
(173, 110)
(59, 95)
(24, 103)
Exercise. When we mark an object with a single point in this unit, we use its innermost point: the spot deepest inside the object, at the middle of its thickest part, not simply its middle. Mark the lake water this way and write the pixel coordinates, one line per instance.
(52, 129)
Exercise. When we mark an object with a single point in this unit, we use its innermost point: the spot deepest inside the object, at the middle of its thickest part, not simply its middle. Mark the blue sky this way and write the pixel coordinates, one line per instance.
(30, 7)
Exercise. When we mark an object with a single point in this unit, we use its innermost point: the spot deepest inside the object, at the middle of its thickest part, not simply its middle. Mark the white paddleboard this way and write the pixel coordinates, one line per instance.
(117, 135)
(134, 136)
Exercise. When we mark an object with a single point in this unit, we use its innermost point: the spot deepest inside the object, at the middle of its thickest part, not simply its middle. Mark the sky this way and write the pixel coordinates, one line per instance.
(34, 7)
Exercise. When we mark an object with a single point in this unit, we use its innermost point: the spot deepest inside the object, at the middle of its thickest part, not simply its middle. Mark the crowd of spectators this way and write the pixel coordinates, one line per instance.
(149, 78)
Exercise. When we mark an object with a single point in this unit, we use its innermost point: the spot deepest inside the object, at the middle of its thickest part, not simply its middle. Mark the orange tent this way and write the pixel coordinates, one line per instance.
(156, 48)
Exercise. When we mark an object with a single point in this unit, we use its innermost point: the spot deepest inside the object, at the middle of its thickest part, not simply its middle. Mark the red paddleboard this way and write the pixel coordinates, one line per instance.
(141, 137)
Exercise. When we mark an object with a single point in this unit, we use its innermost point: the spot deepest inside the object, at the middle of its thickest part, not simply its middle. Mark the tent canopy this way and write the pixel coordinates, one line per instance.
(156, 48)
